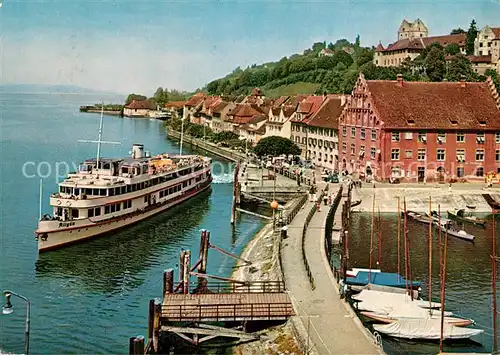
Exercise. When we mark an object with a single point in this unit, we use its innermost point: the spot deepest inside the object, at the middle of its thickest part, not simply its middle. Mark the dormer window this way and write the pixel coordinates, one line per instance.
(410, 121)
(482, 123)
(453, 121)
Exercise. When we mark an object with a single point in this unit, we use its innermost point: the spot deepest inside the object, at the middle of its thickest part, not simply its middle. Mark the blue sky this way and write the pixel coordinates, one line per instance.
(136, 46)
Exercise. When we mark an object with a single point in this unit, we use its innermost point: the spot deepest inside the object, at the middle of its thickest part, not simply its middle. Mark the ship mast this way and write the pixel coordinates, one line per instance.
(99, 140)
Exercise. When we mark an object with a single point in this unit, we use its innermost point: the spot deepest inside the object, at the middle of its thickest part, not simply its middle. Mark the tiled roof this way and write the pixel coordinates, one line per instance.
(243, 113)
(421, 43)
(276, 111)
(380, 48)
(175, 104)
(328, 114)
(496, 31)
(479, 58)
(295, 100)
(195, 100)
(288, 110)
(141, 104)
(256, 92)
(220, 106)
(445, 105)
(211, 102)
(280, 101)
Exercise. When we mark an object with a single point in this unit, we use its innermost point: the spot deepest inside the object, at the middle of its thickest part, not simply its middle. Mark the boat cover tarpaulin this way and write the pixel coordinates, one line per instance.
(429, 329)
(372, 298)
(380, 278)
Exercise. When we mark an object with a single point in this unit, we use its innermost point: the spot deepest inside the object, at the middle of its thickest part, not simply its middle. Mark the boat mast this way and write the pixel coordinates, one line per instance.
(182, 136)
(494, 283)
(379, 244)
(371, 238)
(99, 137)
(40, 205)
(399, 236)
(430, 256)
(405, 245)
(443, 283)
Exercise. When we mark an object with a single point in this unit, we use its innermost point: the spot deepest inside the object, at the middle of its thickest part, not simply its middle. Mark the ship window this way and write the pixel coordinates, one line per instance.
(102, 192)
(124, 189)
(145, 199)
(112, 208)
(106, 209)
(77, 192)
(74, 213)
(161, 193)
(184, 184)
(134, 187)
(90, 212)
(97, 211)
(141, 186)
(118, 205)
(95, 192)
(129, 188)
(117, 190)
(111, 192)
(61, 189)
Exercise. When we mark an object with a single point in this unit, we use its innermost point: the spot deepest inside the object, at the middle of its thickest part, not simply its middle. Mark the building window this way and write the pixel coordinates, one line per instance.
(422, 137)
(479, 154)
(497, 155)
(353, 131)
(344, 147)
(421, 154)
(395, 136)
(408, 154)
(408, 135)
(497, 137)
(363, 133)
(373, 151)
(362, 151)
(460, 137)
(441, 137)
(374, 135)
(461, 155)
(344, 131)
(353, 148)
(480, 137)
(395, 154)
(440, 155)
(460, 171)
(480, 172)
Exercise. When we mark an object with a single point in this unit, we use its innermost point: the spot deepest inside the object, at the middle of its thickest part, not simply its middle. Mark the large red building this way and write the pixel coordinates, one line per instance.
(421, 131)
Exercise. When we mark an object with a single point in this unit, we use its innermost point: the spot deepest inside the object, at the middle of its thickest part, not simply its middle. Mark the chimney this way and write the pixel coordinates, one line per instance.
(462, 82)
(400, 80)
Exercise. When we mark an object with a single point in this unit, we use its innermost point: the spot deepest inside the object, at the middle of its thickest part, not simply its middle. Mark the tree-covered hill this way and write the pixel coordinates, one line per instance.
(337, 73)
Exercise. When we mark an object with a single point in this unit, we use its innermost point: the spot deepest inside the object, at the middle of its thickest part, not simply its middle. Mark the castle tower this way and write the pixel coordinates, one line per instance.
(412, 30)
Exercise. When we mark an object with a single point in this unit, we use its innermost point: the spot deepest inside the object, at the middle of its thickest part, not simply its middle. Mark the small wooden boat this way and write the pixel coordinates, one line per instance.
(462, 216)
(435, 218)
(455, 232)
(419, 217)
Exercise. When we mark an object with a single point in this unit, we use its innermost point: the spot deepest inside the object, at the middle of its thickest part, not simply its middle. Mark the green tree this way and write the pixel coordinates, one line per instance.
(318, 46)
(357, 43)
(471, 37)
(435, 64)
(452, 49)
(460, 67)
(213, 87)
(342, 57)
(161, 96)
(275, 146)
(132, 97)
(457, 31)
(365, 55)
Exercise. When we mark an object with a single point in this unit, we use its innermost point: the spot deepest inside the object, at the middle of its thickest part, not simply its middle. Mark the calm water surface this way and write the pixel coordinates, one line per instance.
(468, 277)
(90, 298)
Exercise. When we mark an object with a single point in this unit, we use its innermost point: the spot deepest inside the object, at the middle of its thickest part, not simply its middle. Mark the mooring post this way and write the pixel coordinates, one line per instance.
(151, 312)
(156, 324)
(187, 267)
(181, 269)
(136, 345)
(202, 265)
(168, 281)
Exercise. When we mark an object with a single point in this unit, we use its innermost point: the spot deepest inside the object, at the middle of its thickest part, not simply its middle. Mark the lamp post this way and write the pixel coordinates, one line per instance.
(8, 309)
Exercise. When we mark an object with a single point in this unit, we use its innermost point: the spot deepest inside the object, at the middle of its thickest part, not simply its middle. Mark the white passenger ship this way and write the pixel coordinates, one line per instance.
(108, 194)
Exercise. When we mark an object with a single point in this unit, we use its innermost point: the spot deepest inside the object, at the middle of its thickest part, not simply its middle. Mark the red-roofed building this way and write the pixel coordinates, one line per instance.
(279, 119)
(322, 133)
(174, 108)
(421, 131)
(256, 97)
(138, 108)
(242, 114)
(220, 121)
(193, 106)
(254, 129)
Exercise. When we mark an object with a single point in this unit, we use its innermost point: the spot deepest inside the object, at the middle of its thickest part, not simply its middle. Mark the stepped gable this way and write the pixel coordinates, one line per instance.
(328, 114)
(427, 105)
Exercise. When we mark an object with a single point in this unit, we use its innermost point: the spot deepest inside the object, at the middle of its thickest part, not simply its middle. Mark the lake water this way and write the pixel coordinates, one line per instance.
(91, 297)
(468, 275)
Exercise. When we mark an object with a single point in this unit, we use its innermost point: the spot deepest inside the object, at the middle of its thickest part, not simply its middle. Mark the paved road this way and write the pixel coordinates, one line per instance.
(331, 326)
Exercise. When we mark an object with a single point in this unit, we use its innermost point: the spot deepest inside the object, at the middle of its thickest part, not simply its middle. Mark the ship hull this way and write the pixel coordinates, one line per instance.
(80, 231)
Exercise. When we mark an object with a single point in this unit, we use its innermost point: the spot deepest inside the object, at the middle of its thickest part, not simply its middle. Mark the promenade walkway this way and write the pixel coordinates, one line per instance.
(330, 323)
